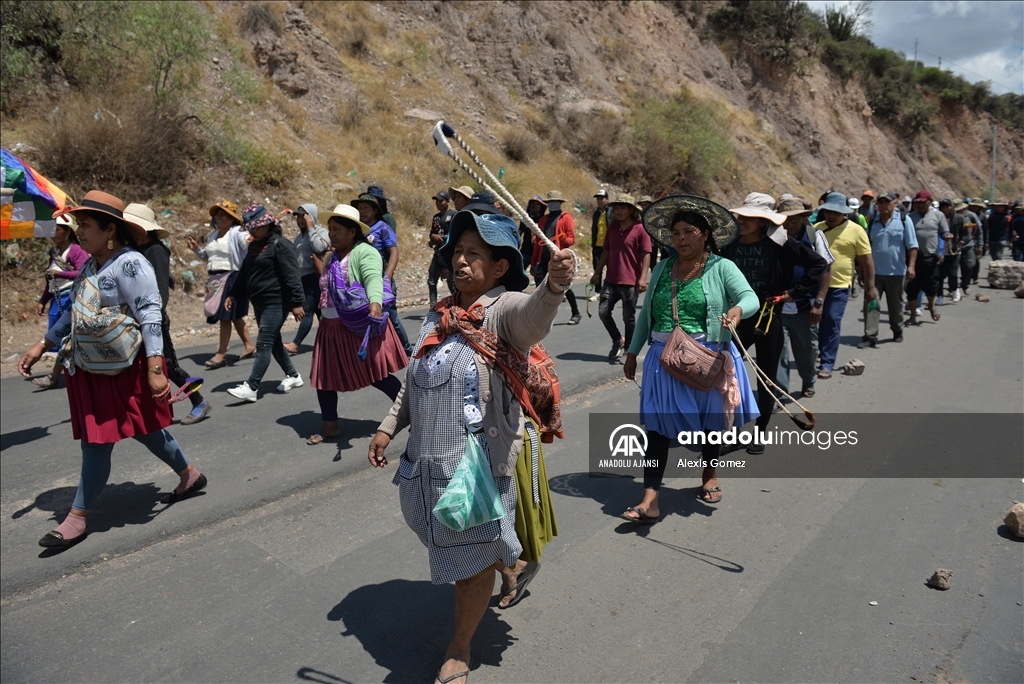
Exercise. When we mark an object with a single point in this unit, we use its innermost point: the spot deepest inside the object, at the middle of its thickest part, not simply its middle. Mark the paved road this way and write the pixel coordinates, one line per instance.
(296, 565)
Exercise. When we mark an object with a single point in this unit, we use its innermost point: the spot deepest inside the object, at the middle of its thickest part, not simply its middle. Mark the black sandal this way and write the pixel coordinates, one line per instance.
(175, 497)
(705, 491)
(641, 518)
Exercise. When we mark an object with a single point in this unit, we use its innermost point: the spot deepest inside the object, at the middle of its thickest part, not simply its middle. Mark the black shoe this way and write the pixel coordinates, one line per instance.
(755, 449)
(196, 487)
(898, 338)
(576, 318)
(867, 342)
(730, 448)
(55, 540)
(616, 351)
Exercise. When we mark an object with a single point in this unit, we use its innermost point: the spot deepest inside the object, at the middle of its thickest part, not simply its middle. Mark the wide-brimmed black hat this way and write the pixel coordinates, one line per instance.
(657, 219)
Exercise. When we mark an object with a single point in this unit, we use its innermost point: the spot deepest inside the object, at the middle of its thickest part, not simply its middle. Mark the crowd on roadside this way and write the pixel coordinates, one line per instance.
(480, 394)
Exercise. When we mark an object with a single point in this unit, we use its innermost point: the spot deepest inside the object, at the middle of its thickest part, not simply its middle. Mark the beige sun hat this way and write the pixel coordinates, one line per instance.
(792, 205)
(555, 196)
(760, 205)
(463, 190)
(346, 212)
(628, 200)
(142, 217)
(68, 220)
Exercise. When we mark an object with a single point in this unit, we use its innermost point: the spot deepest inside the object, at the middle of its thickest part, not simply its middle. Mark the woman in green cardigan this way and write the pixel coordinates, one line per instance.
(356, 346)
(709, 289)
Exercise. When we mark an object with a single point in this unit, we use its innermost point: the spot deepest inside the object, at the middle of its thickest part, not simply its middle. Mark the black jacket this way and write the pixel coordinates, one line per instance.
(159, 256)
(270, 274)
(784, 258)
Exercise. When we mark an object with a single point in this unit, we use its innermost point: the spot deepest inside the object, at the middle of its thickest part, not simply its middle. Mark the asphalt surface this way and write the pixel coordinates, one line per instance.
(296, 564)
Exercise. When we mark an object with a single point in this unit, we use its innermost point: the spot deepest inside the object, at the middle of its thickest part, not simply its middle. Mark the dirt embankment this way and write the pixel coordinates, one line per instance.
(349, 91)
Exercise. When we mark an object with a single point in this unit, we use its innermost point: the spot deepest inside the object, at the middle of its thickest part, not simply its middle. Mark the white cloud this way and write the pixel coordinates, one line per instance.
(981, 41)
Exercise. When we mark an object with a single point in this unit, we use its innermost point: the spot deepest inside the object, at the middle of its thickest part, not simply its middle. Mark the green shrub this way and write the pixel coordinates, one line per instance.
(263, 167)
(776, 29)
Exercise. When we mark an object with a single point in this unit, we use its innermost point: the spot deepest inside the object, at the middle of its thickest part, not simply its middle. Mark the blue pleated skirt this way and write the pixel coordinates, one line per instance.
(668, 407)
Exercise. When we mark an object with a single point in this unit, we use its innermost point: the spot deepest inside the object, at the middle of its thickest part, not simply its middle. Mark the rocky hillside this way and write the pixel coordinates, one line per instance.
(312, 101)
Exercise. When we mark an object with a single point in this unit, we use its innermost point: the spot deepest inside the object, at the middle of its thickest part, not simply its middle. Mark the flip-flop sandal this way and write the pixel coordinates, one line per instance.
(936, 316)
(214, 365)
(641, 519)
(525, 577)
(704, 491)
(807, 393)
(247, 355)
(824, 374)
(46, 382)
(452, 678)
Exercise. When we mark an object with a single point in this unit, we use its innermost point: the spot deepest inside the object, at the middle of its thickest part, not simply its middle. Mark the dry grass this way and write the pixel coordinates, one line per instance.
(520, 145)
(258, 17)
(118, 143)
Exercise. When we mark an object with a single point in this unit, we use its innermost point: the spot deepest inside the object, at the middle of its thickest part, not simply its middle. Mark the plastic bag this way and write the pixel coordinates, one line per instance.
(471, 497)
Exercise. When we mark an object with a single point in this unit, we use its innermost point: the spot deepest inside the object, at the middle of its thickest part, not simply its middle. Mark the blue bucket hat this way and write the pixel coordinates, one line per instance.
(835, 201)
(498, 231)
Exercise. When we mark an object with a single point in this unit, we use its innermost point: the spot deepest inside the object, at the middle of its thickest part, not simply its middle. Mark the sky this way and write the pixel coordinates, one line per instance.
(981, 41)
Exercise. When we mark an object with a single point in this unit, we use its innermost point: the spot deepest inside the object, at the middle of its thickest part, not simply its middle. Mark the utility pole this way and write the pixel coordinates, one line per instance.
(940, 64)
(915, 55)
(995, 131)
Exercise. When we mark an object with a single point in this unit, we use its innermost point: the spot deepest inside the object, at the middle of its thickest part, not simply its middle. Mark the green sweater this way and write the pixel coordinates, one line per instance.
(724, 288)
(365, 266)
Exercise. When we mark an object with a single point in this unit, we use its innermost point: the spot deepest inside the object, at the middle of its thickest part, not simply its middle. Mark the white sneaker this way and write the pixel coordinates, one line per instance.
(243, 391)
(594, 298)
(290, 383)
(920, 311)
(939, 301)
(957, 296)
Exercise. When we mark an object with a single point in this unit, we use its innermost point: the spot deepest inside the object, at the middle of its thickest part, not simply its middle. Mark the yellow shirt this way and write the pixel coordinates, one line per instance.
(602, 228)
(847, 241)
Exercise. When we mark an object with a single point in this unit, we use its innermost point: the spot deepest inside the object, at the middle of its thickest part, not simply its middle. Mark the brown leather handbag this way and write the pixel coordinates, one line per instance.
(686, 359)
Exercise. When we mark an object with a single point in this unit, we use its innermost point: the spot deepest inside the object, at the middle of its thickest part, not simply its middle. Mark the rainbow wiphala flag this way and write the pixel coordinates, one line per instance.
(27, 201)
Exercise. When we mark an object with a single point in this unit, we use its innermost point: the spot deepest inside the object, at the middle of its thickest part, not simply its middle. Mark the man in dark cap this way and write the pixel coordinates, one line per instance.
(438, 234)
(931, 228)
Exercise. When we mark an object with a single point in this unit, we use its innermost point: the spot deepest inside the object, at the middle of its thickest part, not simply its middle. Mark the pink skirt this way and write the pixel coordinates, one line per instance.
(109, 408)
(336, 364)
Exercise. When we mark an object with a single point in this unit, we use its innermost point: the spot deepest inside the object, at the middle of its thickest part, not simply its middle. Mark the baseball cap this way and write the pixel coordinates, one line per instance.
(922, 196)
(601, 193)
(441, 195)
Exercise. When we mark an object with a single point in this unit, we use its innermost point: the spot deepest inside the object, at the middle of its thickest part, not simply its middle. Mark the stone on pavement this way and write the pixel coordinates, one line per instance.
(1005, 275)
(1015, 520)
(940, 579)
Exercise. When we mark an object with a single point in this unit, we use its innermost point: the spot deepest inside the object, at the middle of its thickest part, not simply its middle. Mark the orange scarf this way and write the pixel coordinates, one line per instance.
(532, 380)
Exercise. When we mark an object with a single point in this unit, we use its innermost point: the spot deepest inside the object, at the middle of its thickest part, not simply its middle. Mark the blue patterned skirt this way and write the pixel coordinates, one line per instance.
(669, 407)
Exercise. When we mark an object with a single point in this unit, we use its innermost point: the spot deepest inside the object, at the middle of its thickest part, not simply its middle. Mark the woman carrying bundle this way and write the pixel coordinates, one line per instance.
(66, 258)
(116, 383)
(356, 344)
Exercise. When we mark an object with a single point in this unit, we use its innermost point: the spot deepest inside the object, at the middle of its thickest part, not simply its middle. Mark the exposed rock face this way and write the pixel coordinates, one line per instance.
(282, 64)
(1005, 275)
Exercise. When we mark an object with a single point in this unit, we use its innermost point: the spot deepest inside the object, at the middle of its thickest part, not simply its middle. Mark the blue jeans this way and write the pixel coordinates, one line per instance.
(797, 328)
(831, 323)
(397, 322)
(311, 305)
(58, 305)
(96, 464)
(270, 318)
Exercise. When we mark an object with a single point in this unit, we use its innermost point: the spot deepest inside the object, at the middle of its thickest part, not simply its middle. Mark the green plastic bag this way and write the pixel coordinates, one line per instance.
(471, 497)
